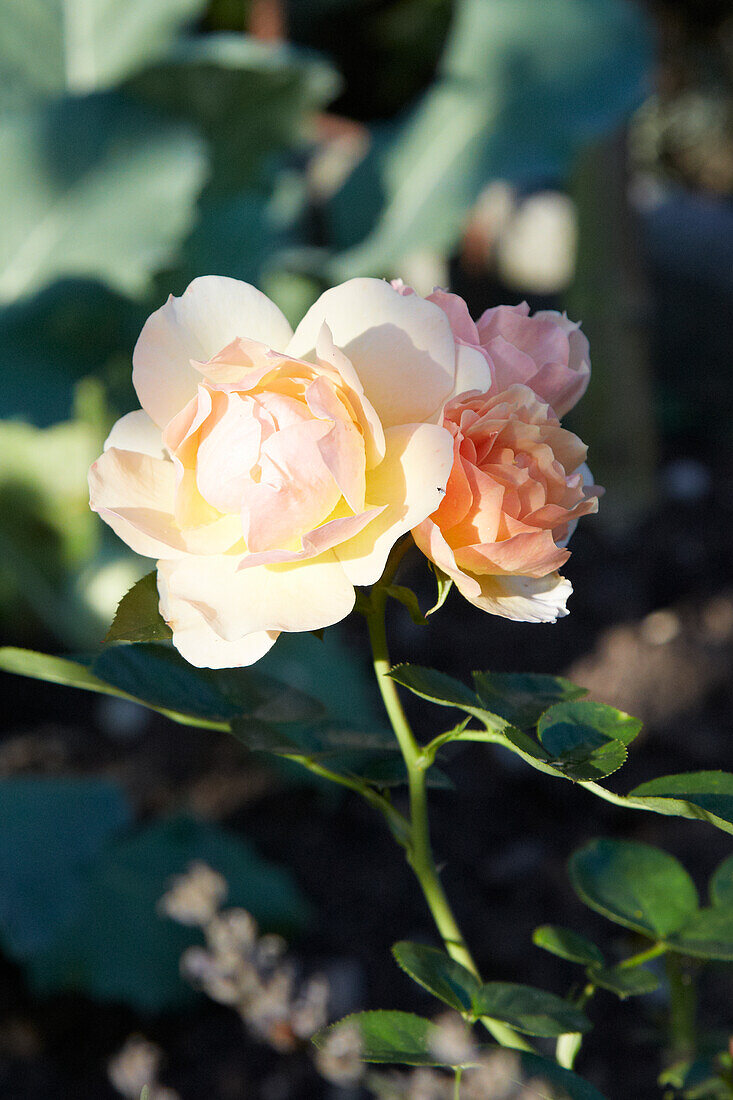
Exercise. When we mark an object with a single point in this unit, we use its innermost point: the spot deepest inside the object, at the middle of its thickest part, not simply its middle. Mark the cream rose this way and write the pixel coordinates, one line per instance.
(516, 490)
(269, 472)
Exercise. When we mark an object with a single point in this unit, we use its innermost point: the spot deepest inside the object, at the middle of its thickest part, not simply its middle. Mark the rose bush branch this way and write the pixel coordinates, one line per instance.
(418, 847)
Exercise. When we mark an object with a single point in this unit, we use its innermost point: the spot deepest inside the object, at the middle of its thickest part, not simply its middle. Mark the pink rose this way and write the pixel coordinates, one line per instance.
(544, 351)
(515, 492)
(269, 472)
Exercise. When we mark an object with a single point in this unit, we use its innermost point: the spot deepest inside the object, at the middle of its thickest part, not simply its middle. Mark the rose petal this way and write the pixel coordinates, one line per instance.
(136, 432)
(211, 312)
(134, 494)
(409, 485)
(197, 642)
(325, 537)
(236, 603)
(401, 346)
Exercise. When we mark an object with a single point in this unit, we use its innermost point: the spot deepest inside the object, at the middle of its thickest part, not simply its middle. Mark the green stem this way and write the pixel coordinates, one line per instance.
(682, 1008)
(419, 850)
(457, 1085)
(643, 956)
(568, 1045)
(398, 824)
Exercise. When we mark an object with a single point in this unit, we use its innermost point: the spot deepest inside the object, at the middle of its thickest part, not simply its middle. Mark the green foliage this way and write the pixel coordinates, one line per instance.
(703, 796)
(524, 1008)
(567, 945)
(721, 883)
(440, 975)
(647, 890)
(138, 618)
(55, 670)
(511, 102)
(397, 1038)
(117, 948)
(566, 725)
(48, 47)
(62, 334)
(529, 1010)
(78, 904)
(569, 1083)
(401, 1038)
(634, 885)
(707, 935)
(96, 186)
(705, 1078)
(51, 832)
(577, 739)
(208, 81)
(438, 687)
(408, 599)
(624, 981)
(522, 698)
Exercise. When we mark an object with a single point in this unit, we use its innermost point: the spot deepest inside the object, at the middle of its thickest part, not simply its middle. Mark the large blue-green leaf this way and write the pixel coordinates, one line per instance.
(94, 187)
(521, 86)
(120, 949)
(48, 47)
(72, 328)
(249, 99)
(51, 832)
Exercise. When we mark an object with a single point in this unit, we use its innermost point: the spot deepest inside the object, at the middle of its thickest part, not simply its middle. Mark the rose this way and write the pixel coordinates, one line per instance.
(545, 351)
(270, 472)
(515, 492)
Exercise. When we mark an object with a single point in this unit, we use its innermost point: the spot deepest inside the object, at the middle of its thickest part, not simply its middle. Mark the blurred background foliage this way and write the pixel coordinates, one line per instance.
(577, 153)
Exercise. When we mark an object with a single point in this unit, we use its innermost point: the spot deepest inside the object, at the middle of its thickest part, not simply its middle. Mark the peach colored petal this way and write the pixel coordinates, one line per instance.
(326, 537)
(408, 485)
(228, 454)
(134, 494)
(211, 312)
(296, 492)
(529, 553)
(371, 426)
(401, 346)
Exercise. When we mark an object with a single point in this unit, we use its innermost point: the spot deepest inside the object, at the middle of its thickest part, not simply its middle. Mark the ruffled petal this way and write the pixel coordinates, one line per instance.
(524, 599)
(401, 346)
(211, 313)
(134, 494)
